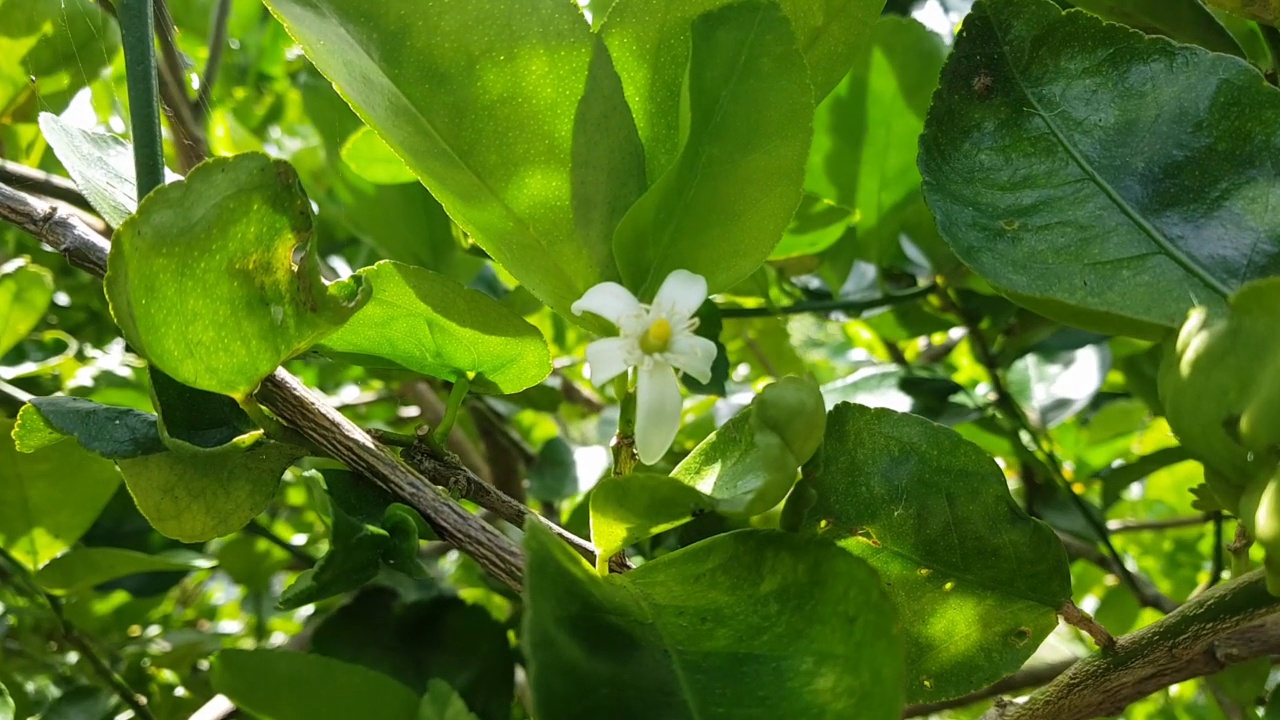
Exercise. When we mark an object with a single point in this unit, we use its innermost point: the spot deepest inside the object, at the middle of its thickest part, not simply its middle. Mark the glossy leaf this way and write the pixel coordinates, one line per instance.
(730, 627)
(49, 498)
(285, 685)
(428, 323)
(650, 42)
(195, 494)
(866, 133)
(506, 177)
(25, 293)
(370, 158)
(443, 703)
(83, 568)
(100, 163)
(1053, 386)
(111, 431)
(628, 509)
(932, 513)
(890, 386)
(424, 643)
(214, 252)
(1083, 214)
(722, 205)
(1186, 21)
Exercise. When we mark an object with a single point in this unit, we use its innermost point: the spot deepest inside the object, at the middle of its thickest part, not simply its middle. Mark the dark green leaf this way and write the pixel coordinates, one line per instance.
(1084, 215)
(505, 176)
(732, 627)
(354, 558)
(897, 388)
(1053, 386)
(25, 292)
(49, 498)
(84, 568)
(932, 513)
(285, 685)
(425, 642)
(1186, 21)
(428, 323)
(554, 474)
(214, 252)
(195, 494)
(201, 418)
(723, 204)
(111, 431)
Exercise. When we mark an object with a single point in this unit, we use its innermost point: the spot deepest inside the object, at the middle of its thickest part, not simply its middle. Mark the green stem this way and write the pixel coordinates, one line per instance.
(825, 306)
(137, 31)
(456, 395)
(624, 443)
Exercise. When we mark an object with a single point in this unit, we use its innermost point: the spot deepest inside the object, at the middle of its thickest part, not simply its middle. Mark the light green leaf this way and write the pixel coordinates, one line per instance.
(370, 158)
(1088, 217)
(195, 494)
(285, 685)
(932, 513)
(442, 703)
(49, 498)
(650, 42)
(866, 133)
(7, 707)
(1054, 385)
(896, 388)
(499, 154)
(111, 431)
(84, 568)
(751, 624)
(749, 464)
(817, 225)
(723, 204)
(100, 163)
(1186, 21)
(201, 279)
(431, 324)
(25, 292)
(626, 510)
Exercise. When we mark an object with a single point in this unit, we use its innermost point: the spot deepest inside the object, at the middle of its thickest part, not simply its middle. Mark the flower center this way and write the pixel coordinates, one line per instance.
(657, 337)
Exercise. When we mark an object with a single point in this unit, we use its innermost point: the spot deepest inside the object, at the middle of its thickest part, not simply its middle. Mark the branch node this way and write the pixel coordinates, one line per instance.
(1083, 621)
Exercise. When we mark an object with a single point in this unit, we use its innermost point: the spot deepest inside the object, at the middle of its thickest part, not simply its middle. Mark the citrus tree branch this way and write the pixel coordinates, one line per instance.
(292, 402)
(1227, 624)
(825, 306)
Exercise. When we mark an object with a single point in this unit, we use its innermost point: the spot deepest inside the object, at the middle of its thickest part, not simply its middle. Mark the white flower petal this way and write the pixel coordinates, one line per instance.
(691, 354)
(681, 294)
(657, 411)
(609, 300)
(610, 357)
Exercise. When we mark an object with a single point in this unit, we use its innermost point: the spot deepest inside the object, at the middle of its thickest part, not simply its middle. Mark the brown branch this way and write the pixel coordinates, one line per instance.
(1120, 526)
(1227, 624)
(1028, 677)
(188, 133)
(217, 46)
(38, 182)
(298, 407)
(1072, 615)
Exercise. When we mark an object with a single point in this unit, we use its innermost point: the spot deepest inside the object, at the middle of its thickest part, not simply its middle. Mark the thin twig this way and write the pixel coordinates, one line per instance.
(257, 529)
(1072, 615)
(39, 182)
(20, 578)
(826, 306)
(1028, 677)
(188, 134)
(217, 45)
(1123, 526)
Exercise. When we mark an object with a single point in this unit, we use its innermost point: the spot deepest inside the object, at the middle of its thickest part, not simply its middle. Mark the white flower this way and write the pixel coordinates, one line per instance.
(656, 339)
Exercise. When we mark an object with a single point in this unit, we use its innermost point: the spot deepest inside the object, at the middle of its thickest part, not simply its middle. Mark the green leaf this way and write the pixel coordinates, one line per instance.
(370, 158)
(932, 513)
(211, 253)
(650, 42)
(83, 568)
(200, 418)
(100, 163)
(356, 549)
(1263, 11)
(442, 703)
(25, 293)
(285, 685)
(49, 498)
(1088, 217)
(731, 627)
(422, 643)
(499, 154)
(723, 204)
(626, 510)
(1187, 21)
(554, 474)
(866, 133)
(428, 323)
(904, 390)
(111, 431)
(817, 225)
(1054, 385)
(750, 463)
(6, 704)
(195, 494)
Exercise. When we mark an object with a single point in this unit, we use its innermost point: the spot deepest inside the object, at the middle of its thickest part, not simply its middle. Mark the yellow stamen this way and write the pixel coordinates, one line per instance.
(657, 337)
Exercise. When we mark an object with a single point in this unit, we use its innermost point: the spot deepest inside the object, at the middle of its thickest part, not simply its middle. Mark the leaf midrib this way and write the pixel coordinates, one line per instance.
(1175, 253)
